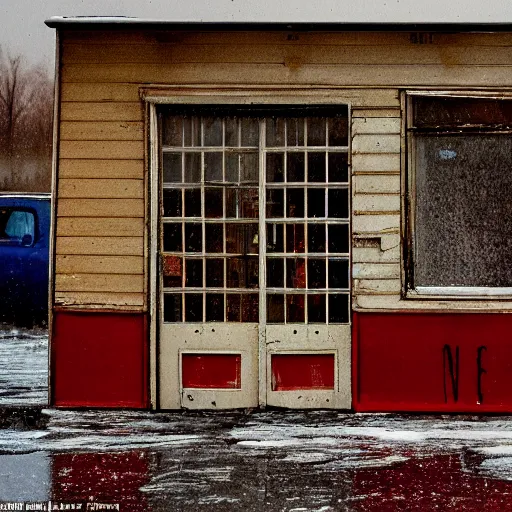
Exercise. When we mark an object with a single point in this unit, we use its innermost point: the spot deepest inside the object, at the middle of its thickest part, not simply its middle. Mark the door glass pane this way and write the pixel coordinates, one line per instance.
(213, 167)
(275, 238)
(316, 131)
(295, 132)
(275, 167)
(172, 307)
(295, 273)
(316, 309)
(275, 272)
(275, 308)
(316, 167)
(295, 202)
(193, 237)
(212, 155)
(172, 237)
(172, 167)
(172, 203)
(193, 273)
(192, 167)
(275, 131)
(212, 127)
(316, 202)
(214, 235)
(295, 241)
(193, 202)
(316, 238)
(295, 308)
(215, 272)
(213, 202)
(295, 167)
(193, 307)
(214, 307)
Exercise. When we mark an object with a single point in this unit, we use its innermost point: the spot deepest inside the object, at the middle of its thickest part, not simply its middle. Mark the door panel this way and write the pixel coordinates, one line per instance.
(202, 340)
(314, 371)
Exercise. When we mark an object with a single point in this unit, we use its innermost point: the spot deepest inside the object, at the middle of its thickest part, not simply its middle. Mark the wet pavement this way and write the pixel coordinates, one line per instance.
(248, 460)
(23, 366)
(293, 461)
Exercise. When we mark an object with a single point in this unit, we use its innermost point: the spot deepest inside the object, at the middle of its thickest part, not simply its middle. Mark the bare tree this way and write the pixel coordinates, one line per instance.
(26, 99)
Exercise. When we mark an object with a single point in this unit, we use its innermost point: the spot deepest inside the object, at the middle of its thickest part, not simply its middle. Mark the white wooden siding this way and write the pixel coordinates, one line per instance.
(102, 193)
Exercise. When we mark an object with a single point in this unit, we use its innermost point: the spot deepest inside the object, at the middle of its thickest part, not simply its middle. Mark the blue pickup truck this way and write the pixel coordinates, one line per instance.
(24, 258)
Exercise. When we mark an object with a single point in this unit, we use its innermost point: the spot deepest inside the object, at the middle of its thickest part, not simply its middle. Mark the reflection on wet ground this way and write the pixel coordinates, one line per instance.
(254, 461)
(273, 460)
(23, 366)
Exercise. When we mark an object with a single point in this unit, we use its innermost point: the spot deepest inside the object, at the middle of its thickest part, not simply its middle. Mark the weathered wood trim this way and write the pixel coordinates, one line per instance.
(375, 203)
(92, 169)
(81, 264)
(381, 143)
(379, 224)
(101, 130)
(104, 150)
(89, 111)
(377, 286)
(101, 188)
(99, 93)
(377, 163)
(380, 184)
(117, 283)
(377, 125)
(140, 36)
(100, 226)
(434, 75)
(378, 270)
(268, 94)
(256, 52)
(105, 246)
(101, 208)
(100, 300)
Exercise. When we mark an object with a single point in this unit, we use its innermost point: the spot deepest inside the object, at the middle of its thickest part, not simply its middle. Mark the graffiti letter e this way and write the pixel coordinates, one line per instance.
(480, 372)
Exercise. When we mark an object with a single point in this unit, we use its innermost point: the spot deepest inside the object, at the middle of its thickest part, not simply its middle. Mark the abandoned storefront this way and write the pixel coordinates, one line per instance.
(270, 215)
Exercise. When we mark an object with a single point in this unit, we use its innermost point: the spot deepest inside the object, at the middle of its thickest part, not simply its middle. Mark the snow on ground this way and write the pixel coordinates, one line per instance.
(23, 367)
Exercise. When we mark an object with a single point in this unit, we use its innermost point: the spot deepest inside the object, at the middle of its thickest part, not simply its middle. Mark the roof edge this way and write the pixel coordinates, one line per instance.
(117, 22)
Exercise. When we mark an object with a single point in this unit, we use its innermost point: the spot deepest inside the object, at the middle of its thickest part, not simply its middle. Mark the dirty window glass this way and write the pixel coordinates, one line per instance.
(462, 231)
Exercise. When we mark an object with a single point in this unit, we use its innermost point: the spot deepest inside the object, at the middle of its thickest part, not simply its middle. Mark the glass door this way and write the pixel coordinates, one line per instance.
(254, 258)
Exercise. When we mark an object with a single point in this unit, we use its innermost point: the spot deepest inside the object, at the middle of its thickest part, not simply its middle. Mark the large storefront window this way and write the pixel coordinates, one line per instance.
(461, 180)
(255, 214)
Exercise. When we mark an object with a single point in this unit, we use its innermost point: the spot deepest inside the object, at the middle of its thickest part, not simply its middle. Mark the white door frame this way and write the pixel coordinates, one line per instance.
(237, 95)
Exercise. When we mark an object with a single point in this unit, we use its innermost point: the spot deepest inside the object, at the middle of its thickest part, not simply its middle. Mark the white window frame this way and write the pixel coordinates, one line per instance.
(456, 293)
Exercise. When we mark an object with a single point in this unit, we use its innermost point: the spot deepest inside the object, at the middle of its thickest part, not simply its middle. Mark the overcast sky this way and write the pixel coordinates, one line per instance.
(24, 31)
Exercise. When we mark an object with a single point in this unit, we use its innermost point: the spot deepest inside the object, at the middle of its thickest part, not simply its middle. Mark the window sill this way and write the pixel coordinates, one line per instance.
(483, 293)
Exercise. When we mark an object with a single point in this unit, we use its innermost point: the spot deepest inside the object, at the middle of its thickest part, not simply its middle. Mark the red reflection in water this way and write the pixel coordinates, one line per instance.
(430, 483)
(101, 478)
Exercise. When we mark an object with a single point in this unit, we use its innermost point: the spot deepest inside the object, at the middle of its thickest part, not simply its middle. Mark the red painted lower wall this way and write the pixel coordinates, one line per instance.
(432, 362)
(99, 359)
